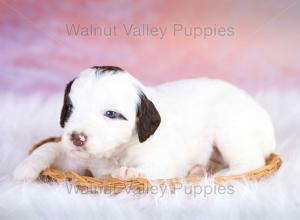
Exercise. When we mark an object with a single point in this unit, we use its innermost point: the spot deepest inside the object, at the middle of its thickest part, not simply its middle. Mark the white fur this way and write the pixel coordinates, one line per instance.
(27, 119)
(195, 115)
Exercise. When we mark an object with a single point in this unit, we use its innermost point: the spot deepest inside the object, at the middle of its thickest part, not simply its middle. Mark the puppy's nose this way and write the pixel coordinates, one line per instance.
(78, 139)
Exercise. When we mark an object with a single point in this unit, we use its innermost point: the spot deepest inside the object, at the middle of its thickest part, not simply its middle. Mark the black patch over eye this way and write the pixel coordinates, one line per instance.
(114, 115)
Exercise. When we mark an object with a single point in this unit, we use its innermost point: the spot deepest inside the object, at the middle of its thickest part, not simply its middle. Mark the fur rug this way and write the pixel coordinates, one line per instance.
(26, 120)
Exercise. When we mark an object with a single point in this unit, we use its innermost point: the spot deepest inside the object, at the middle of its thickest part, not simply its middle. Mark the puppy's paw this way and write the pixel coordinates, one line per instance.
(26, 171)
(197, 170)
(126, 173)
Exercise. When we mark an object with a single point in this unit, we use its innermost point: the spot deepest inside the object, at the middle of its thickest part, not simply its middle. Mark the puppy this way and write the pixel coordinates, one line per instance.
(114, 125)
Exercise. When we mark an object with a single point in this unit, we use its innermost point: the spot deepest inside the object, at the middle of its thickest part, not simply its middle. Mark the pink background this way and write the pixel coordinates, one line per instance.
(37, 55)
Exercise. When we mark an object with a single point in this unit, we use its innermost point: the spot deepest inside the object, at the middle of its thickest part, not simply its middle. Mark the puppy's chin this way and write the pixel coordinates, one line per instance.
(81, 154)
(102, 155)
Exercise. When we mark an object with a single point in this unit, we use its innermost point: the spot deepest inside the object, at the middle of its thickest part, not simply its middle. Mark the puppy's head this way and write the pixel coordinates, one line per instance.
(104, 109)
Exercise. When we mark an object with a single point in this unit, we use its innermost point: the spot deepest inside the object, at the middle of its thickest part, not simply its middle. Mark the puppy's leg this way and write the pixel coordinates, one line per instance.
(40, 159)
(242, 154)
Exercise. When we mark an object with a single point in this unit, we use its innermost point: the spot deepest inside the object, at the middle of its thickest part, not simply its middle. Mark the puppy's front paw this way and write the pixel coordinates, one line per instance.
(197, 170)
(26, 171)
(126, 173)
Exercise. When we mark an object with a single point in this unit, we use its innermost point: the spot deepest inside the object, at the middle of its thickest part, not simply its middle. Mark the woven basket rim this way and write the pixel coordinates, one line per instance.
(273, 163)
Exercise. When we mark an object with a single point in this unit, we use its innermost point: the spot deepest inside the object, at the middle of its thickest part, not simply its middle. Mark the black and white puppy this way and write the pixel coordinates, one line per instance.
(113, 125)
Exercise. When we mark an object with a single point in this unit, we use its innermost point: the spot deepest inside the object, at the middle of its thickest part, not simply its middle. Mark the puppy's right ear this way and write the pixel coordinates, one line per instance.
(67, 105)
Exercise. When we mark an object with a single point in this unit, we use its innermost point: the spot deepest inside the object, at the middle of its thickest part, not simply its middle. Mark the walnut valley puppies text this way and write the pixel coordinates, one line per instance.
(194, 190)
(148, 30)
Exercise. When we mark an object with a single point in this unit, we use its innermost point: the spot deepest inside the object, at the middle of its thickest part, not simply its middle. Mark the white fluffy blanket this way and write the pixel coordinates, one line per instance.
(24, 121)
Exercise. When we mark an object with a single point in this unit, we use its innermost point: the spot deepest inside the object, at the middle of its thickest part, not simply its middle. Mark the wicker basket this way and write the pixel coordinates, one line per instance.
(273, 163)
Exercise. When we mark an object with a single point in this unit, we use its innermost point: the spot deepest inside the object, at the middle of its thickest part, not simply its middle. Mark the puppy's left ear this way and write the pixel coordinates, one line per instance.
(148, 118)
(67, 105)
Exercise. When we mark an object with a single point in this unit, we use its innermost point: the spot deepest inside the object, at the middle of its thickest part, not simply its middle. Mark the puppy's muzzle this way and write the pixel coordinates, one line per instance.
(78, 139)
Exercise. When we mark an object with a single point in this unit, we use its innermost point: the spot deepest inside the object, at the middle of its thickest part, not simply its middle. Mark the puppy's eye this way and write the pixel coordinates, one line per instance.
(114, 115)
(70, 107)
(111, 114)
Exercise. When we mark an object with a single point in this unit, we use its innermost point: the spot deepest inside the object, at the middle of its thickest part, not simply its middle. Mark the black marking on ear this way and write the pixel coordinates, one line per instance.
(148, 118)
(67, 105)
(103, 69)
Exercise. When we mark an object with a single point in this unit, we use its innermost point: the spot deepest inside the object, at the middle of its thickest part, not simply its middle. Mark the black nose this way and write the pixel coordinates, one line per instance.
(78, 139)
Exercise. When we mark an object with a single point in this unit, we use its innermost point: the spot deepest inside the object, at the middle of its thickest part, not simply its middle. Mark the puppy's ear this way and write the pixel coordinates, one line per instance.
(148, 118)
(67, 105)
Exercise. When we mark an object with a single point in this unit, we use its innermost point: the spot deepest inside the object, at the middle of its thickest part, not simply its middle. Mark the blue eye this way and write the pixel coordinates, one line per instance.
(114, 115)
(111, 114)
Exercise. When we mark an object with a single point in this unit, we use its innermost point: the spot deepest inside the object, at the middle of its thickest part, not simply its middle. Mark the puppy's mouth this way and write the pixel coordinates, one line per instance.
(83, 152)
(81, 149)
